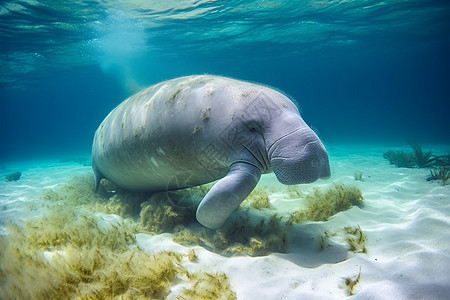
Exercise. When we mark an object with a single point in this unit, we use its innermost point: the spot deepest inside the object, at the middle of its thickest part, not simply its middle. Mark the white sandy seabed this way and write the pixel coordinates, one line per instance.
(406, 220)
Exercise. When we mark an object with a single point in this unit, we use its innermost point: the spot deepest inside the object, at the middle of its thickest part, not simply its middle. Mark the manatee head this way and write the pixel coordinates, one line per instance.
(299, 157)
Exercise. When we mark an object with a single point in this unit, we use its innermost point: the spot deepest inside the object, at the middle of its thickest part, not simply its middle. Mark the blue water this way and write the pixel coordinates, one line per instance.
(360, 71)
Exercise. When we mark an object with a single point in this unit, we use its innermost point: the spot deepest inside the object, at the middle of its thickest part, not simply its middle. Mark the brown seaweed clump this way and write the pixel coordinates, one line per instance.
(159, 215)
(74, 250)
(356, 240)
(65, 254)
(239, 237)
(417, 158)
(401, 159)
(209, 286)
(258, 199)
(440, 173)
(358, 176)
(350, 283)
(353, 236)
(79, 191)
(173, 212)
(321, 205)
(249, 231)
(13, 176)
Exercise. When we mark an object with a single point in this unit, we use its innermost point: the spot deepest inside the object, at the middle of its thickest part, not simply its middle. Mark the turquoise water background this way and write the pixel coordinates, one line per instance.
(360, 71)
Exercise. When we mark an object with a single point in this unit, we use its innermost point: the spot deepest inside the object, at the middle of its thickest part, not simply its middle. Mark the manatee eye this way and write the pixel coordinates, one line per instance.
(314, 163)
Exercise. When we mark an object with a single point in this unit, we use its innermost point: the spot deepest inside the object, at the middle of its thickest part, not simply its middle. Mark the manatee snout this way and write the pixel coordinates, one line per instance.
(297, 159)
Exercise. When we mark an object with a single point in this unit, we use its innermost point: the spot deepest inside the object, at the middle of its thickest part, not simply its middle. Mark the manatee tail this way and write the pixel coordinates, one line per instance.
(97, 176)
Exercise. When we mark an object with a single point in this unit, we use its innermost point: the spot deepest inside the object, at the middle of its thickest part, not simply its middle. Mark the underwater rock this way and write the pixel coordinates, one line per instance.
(13, 176)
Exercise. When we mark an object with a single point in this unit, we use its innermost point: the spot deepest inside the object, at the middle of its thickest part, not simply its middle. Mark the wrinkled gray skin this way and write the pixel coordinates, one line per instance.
(193, 130)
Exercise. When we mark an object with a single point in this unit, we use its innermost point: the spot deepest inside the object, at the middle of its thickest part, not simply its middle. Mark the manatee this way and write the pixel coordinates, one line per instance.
(194, 130)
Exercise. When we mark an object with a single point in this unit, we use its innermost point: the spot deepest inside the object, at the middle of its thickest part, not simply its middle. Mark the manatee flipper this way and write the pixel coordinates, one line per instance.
(97, 176)
(226, 195)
